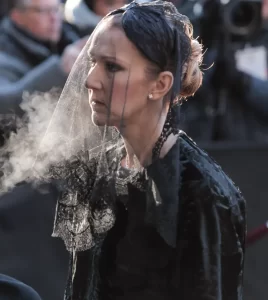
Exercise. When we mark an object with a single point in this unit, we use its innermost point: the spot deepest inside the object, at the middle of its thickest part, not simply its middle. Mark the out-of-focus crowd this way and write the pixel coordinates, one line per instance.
(41, 39)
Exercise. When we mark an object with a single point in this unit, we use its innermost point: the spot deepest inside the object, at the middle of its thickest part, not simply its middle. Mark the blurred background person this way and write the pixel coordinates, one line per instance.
(86, 14)
(232, 104)
(36, 50)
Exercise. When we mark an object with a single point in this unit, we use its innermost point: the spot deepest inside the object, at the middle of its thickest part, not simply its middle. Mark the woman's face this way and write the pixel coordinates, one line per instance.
(117, 82)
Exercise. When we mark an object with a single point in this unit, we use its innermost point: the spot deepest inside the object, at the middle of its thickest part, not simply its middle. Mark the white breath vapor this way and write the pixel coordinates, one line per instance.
(19, 151)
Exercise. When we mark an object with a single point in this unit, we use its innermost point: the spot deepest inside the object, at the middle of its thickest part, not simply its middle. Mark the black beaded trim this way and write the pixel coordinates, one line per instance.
(168, 129)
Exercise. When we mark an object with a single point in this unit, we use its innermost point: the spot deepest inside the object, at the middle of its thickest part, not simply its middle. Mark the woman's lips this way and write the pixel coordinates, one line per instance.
(97, 102)
(97, 105)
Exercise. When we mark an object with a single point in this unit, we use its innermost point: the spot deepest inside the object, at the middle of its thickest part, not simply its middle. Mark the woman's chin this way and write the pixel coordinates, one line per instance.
(100, 120)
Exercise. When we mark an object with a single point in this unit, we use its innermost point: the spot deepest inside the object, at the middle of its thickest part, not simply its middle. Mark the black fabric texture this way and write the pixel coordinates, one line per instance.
(137, 258)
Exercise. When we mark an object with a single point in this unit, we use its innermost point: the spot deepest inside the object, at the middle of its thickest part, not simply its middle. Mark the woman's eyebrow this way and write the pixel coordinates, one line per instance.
(106, 57)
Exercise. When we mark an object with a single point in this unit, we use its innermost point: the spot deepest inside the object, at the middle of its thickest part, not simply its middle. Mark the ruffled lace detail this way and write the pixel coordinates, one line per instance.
(85, 209)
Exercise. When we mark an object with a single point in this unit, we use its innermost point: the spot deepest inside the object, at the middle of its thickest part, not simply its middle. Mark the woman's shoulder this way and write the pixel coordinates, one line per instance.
(204, 175)
(211, 201)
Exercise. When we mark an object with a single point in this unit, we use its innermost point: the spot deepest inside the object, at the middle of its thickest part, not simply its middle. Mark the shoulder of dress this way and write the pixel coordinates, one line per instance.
(204, 177)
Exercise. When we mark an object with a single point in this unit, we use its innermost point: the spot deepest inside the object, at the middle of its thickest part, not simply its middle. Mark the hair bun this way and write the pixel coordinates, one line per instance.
(192, 75)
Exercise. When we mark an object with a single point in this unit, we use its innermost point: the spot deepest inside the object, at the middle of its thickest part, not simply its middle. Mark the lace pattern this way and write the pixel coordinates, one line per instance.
(135, 177)
(85, 209)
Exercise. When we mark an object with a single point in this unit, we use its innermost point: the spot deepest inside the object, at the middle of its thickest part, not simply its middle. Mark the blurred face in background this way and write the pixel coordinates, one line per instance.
(265, 10)
(41, 18)
(103, 7)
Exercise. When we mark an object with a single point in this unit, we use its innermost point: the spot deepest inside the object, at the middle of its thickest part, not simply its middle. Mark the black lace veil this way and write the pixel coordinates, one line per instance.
(84, 158)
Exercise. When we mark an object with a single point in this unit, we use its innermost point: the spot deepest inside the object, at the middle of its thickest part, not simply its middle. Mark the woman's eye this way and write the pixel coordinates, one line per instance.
(112, 67)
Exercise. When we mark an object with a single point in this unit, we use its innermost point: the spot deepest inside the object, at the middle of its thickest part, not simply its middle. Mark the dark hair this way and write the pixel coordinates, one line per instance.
(158, 23)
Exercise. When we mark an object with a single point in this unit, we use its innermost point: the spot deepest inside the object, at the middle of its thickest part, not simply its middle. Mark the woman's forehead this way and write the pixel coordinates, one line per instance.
(109, 39)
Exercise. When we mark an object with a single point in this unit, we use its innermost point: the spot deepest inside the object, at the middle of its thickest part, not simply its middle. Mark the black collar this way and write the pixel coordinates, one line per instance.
(163, 195)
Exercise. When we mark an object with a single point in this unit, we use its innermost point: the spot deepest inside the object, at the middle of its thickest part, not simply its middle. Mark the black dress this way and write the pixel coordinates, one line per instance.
(189, 247)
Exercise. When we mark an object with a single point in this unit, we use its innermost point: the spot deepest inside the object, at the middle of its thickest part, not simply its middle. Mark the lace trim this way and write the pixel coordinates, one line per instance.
(85, 210)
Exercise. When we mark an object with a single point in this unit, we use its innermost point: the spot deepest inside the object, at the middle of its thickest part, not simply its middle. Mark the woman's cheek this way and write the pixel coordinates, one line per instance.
(120, 93)
(118, 99)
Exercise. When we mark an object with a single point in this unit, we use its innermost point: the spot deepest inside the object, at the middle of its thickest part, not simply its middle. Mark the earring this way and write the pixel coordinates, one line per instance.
(150, 96)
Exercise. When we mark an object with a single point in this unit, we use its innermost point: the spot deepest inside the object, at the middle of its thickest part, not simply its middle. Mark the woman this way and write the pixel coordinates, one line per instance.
(144, 212)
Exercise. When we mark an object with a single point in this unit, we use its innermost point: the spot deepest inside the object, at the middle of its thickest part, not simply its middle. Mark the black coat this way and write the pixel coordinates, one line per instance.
(188, 247)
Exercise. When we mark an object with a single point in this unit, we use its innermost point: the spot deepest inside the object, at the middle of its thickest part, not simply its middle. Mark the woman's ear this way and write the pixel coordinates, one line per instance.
(162, 85)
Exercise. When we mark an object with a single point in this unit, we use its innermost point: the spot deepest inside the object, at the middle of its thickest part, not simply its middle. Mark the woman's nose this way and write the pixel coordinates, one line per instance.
(93, 81)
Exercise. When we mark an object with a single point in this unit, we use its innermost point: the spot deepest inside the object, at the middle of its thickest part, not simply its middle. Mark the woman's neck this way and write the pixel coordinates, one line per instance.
(140, 138)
